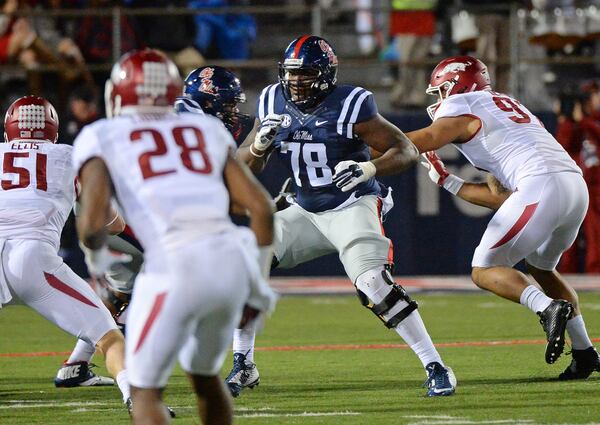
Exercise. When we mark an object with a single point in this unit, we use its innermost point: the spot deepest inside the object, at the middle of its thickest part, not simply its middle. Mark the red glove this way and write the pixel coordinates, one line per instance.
(439, 175)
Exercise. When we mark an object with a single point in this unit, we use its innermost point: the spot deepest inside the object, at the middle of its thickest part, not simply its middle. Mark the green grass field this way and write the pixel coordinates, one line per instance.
(338, 384)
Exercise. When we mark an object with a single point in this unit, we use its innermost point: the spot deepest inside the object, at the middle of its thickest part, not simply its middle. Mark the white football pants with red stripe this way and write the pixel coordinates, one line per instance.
(189, 311)
(39, 277)
(538, 222)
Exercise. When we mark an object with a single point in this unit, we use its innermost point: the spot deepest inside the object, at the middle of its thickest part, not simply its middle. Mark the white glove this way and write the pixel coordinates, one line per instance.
(439, 175)
(349, 174)
(265, 259)
(262, 299)
(265, 136)
(101, 260)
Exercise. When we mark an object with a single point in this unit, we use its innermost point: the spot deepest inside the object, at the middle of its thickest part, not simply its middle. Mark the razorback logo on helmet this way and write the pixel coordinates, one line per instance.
(454, 67)
(32, 116)
(156, 80)
(329, 51)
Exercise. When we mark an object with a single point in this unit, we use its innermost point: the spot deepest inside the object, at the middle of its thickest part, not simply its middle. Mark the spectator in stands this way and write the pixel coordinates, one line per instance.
(95, 35)
(593, 88)
(22, 43)
(493, 43)
(56, 33)
(223, 36)
(412, 24)
(12, 40)
(579, 133)
(568, 109)
(590, 164)
(82, 109)
(179, 45)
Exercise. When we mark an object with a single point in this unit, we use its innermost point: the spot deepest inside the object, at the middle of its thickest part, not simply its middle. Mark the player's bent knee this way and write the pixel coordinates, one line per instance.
(114, 336)
(387, 299)
(476, 276)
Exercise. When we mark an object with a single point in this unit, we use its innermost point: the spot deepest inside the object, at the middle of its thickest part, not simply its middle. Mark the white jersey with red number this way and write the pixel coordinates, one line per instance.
(37, 190)
(167, 171)
(511, 143)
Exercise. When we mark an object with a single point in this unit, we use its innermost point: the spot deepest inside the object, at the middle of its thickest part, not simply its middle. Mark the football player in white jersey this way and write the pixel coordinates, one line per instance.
(37, 193)
(539, 214)
(114, 288)
(174, 176)
(492, 195)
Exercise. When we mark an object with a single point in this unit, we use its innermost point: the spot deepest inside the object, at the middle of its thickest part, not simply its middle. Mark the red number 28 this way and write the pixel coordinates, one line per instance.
(507, 104)
(180, 136)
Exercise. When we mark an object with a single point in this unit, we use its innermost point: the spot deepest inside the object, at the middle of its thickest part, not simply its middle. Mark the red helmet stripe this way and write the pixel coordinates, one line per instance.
(299, 44)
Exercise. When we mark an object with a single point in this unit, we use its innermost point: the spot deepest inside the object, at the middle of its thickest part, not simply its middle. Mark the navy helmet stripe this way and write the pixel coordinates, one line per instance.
(345, 108)
(355, 112)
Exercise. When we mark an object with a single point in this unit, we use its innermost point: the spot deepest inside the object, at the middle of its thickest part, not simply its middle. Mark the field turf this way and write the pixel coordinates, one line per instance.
(326, 360)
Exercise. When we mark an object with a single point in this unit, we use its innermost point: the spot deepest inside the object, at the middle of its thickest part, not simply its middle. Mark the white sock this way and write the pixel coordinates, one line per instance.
(534, 299)
(578, 334)
(411, 329)
(243, 342)
(413, 332)
(123, 384)
(82, 352)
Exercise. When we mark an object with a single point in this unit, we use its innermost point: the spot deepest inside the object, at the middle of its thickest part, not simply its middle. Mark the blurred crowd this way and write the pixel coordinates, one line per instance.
(51, 55)
(543, 34)
(578, 131)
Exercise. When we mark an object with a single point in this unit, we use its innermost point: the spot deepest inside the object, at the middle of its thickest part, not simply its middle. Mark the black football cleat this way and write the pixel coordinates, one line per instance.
(129, 405)
(554, 321)
(440, 380)
(583, 364)
(244, 374)
(79, 374)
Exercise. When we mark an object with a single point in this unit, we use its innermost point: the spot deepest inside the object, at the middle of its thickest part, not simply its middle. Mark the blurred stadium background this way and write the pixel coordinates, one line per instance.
(538, 51)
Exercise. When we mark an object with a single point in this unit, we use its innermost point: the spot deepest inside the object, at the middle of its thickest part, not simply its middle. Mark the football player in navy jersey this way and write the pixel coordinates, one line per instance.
(323, 132)
(216, 91)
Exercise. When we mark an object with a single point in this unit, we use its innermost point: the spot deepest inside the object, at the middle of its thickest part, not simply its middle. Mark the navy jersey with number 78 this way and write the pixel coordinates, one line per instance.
(312, 144)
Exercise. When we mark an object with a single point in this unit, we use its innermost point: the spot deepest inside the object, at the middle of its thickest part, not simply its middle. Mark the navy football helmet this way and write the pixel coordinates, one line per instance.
(308, 72)
(216, 91)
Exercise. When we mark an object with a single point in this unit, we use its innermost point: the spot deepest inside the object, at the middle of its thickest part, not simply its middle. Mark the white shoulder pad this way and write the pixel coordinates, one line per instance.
(453, 106)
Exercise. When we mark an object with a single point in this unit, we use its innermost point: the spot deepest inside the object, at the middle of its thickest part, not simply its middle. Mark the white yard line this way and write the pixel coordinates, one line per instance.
(29, 404)
(290, 415)
(459, 421)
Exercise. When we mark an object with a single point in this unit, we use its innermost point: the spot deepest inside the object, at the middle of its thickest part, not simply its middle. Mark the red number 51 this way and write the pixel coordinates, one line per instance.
(23, 175)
